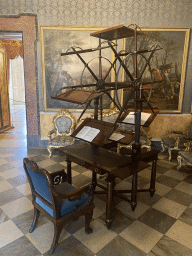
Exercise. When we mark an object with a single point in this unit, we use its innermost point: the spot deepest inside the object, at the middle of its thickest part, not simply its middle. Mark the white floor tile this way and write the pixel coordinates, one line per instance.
(4, 185)
(24, 189)
(13, 143)
(95, 241)
(169, 207)
(184, 187)
(141, 235)
(17, 207)
(100, 207)
(147, 173)
(42, 237)
(10, 173)
(160, 189)
(182, 233)
(125, 207)
(2, 161)
(176, 174)
(8, 233)
(45, 163)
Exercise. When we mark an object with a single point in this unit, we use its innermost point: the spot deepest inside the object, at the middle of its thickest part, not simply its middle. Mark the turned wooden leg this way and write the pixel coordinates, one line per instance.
(94, 179)
(88, 217)
(110, 181)
(134, 192)
(35, 219)
(153, 178)
(57, 232)
(69, 179)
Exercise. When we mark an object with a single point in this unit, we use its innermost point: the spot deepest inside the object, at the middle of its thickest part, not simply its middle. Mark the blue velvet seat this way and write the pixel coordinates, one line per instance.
(60, 203)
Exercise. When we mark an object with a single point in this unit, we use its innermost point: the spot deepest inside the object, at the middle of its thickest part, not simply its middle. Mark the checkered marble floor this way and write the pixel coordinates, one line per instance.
(161, 225)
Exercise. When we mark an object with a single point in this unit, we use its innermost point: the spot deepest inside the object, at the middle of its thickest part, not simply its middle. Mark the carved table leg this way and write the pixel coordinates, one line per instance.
(69, 179)
(153, 177)
(110, 182)
(134, 192)
(94, 179)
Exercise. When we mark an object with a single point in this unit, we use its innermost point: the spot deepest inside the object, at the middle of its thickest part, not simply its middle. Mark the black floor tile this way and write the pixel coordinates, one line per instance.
(71, 247)
(9, 196)
(157, 220)
(20, 247)
(179, 197)
(186, 217)
(167, 246)
(18, 180)
(119, 246)
(168, 181)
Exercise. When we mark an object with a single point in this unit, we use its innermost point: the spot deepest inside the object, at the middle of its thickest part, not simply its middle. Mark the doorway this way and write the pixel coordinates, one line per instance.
(12, 43)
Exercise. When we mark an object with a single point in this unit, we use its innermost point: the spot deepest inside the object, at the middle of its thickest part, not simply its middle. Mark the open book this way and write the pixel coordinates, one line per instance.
(131, 118)
(87, 133)
(116, 136)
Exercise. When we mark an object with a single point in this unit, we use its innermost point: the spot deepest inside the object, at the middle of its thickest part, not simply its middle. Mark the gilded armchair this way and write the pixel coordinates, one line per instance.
(185, 156)
(176, 140)
(64, 124)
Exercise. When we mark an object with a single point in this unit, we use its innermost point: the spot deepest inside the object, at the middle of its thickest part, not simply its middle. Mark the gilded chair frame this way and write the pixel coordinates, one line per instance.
(55, 132)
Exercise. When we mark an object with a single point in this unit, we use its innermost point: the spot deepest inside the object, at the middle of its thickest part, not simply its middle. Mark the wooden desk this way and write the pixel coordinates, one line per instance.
(102, 161)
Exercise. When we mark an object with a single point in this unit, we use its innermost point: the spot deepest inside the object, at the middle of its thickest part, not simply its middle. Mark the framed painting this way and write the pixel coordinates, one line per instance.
(168, 66)
(63, 71)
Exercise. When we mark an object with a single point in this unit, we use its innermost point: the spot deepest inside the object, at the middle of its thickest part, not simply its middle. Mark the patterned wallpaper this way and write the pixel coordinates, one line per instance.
(176, 13)
(146, 13)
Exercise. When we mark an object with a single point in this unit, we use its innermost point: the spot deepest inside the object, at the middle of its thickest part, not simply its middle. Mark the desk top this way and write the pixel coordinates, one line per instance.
(96, 157)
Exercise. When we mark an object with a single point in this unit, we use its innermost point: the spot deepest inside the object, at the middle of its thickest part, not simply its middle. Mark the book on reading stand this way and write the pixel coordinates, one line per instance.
(130, 118)
(87, 133)
(94, 131)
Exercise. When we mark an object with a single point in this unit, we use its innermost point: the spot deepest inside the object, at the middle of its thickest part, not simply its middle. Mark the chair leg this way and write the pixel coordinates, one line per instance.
(162, 146)
(169, 152)
(50, 151)
(88, 217)
(57, 232)
(35, 219)
(179, 159)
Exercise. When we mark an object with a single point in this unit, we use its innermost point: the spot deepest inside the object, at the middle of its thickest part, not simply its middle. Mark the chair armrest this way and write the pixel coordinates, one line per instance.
(50, 133)
(75, 195)
(188, 145)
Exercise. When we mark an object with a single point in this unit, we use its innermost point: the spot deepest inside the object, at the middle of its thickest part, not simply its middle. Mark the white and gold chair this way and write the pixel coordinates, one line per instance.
(64, 124)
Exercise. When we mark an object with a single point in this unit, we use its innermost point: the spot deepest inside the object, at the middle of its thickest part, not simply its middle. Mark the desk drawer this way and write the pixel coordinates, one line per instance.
(89, 166)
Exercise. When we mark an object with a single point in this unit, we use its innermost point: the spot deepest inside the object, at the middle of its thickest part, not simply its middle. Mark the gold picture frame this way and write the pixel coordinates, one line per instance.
(55, 40)
(169, 62)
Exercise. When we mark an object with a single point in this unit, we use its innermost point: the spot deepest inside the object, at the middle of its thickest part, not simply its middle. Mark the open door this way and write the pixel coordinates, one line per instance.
(4, 95)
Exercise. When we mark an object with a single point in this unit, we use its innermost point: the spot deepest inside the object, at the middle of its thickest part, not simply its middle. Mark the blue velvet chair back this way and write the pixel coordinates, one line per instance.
(63, 124)
(41, 183)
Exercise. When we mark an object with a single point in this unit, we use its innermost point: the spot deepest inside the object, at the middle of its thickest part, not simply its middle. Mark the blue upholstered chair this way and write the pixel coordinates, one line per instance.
(64, 125)
(176, 140)
(60, 203)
